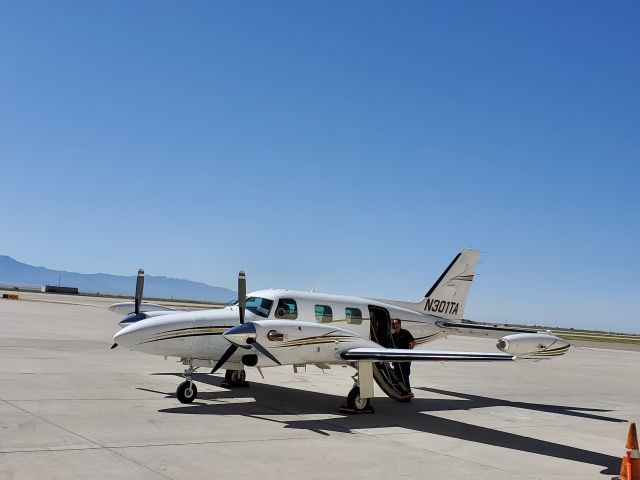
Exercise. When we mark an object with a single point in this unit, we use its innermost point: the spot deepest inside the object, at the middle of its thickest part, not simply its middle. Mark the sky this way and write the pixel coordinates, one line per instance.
(353, 146)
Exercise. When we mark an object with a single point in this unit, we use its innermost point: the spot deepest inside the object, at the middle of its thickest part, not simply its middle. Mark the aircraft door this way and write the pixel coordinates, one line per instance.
(380, 328)
(383, 372)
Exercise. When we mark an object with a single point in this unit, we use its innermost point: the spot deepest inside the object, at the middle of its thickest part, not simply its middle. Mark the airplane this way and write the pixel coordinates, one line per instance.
(276, 327)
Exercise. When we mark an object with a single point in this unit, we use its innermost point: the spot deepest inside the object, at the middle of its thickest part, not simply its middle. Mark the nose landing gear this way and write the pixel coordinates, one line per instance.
(187, 390)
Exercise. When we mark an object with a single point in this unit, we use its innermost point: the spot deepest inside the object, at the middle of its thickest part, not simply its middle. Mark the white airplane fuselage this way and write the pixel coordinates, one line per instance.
(198, 334)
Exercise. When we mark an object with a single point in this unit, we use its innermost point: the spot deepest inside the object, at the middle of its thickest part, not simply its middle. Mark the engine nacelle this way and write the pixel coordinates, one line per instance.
(292, 342)
(533, 345)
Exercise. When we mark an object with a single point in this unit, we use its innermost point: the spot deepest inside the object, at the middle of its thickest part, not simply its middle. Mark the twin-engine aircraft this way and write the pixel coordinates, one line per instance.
(285, 327)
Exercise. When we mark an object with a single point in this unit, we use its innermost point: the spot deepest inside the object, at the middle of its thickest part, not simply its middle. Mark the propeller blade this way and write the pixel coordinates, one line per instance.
(139, 289)
(225, 356)
(242, 294)
(265, 352)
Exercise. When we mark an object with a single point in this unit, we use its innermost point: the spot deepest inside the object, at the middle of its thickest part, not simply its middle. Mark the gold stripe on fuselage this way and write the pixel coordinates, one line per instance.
(313, 341)
(188, 332)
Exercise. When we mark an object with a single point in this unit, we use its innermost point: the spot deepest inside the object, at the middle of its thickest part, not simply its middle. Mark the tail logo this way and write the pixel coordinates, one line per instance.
(440, 306)
(462, 278)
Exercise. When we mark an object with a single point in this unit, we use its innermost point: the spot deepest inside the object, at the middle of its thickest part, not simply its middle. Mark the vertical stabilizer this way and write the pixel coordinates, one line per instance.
(447, 297)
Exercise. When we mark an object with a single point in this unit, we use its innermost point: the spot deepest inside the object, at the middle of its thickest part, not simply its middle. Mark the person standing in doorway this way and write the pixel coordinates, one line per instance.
(402, 339)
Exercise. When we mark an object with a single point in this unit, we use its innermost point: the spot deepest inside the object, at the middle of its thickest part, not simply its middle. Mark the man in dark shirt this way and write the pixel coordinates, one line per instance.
(402, 339)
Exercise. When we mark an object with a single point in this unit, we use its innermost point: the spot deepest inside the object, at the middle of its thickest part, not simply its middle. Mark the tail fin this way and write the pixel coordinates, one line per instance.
(447, 297)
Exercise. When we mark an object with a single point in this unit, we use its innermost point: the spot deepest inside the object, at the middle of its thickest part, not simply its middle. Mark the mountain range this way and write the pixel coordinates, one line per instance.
(17, 273)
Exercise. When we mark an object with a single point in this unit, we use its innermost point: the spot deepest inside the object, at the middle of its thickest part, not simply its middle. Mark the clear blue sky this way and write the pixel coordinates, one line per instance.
(356, 145)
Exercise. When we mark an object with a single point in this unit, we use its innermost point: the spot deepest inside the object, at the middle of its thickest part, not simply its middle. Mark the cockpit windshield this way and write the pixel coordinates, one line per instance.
(259, 306)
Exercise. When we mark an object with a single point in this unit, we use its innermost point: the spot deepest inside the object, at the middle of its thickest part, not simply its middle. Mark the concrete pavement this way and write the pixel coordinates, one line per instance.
(72, 408)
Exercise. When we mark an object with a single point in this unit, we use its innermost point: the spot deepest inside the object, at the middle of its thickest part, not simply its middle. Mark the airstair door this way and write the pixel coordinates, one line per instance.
(383, 372)
(380, 329)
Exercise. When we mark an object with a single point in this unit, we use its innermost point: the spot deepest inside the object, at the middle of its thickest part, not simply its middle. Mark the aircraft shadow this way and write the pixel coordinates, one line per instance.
(273, 400)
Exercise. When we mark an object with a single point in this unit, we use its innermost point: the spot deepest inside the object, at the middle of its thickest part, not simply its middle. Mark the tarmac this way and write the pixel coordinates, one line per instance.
(72, 408)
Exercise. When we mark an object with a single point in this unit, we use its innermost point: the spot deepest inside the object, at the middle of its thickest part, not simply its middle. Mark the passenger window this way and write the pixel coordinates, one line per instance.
(324, 314)
(287, 309)
(354, 315)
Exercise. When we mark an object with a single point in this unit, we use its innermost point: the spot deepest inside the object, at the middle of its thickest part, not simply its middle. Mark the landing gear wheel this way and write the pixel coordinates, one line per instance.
(187, 392)
(238, 378)
(356, 402)
(234, 378)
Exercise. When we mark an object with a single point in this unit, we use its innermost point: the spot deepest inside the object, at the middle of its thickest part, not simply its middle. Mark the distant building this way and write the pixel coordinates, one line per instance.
(58, 289)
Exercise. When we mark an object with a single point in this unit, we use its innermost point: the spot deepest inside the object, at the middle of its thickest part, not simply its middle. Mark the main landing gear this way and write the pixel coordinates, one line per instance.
(355, 402)
(234, 378)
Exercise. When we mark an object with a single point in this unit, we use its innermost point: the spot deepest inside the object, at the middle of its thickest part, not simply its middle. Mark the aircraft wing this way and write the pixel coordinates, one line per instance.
(406, 355)
(480, 330)
(126, 308)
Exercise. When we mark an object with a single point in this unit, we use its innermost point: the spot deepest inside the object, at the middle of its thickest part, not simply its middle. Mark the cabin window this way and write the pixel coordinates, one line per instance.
(323, 314)
(259, 306)
(287, 309)
(354, 315)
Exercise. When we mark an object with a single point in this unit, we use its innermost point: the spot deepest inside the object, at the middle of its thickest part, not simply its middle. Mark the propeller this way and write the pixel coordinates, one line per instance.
(225, 356)
(262, 350)
(242, 293)
(242, 297)
(239, 336)
(139, 289)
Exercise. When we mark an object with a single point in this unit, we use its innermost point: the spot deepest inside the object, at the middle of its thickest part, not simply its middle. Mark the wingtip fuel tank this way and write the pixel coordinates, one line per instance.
(533, 345)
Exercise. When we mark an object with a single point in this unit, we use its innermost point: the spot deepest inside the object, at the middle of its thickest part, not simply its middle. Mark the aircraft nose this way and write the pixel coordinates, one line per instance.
(129, 336)
(241, 335)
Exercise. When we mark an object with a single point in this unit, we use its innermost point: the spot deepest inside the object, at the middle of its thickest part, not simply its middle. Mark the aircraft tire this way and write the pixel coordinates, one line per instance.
(238, 378)
(187, 392)
(357, 403)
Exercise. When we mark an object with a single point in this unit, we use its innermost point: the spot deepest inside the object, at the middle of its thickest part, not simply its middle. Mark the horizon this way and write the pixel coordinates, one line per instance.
(354, 146)
(107, 294)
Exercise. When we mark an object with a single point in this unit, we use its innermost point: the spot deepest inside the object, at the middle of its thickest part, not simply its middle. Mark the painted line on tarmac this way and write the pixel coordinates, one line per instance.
(64, 302)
